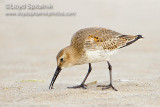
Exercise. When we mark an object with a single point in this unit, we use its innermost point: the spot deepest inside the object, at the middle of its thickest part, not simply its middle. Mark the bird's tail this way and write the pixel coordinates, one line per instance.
(130, 39)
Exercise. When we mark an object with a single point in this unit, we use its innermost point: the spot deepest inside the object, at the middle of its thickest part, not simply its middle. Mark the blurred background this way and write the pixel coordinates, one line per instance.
(29, 45)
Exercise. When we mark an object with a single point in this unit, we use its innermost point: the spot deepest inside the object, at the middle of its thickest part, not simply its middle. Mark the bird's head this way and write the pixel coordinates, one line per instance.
(65, 58)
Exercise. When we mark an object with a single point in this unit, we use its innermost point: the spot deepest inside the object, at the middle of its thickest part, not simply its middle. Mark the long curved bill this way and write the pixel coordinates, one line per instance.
(54, 77)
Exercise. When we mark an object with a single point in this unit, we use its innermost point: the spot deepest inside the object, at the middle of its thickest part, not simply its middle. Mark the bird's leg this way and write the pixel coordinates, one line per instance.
(82, 85)
(110, 85)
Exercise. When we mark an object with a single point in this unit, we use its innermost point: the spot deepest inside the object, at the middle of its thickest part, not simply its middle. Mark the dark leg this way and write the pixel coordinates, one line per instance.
(82, 85)
(110, 85)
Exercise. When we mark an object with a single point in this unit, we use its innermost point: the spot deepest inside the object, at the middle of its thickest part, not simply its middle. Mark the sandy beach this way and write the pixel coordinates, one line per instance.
(29, 45)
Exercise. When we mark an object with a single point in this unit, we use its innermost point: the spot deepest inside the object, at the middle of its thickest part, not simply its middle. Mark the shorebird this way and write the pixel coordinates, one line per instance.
(91, 45)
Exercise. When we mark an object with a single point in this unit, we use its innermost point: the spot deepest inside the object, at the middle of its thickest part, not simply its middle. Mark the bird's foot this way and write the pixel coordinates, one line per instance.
(79, 86)
(107, 87)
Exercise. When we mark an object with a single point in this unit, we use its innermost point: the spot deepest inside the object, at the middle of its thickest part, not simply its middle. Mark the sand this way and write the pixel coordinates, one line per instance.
(29, 45)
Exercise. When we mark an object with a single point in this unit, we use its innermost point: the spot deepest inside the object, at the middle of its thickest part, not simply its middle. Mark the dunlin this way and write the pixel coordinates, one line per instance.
(91, 45)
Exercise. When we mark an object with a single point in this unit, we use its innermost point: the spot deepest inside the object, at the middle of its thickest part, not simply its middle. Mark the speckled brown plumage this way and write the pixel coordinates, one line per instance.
(99, 38)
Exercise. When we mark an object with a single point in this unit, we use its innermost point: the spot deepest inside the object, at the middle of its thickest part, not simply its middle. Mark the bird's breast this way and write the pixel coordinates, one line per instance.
(99, 55)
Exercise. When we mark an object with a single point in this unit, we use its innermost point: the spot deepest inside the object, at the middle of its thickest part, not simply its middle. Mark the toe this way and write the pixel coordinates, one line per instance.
(79, 86)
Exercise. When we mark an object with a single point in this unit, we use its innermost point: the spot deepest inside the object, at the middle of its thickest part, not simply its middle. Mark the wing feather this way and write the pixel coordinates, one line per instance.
(99, 38)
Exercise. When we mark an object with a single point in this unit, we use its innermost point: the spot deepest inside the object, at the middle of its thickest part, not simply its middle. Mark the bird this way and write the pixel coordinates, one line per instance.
(92, 45)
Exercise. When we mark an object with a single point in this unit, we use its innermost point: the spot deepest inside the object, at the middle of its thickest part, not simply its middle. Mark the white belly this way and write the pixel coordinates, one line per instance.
(98, 55)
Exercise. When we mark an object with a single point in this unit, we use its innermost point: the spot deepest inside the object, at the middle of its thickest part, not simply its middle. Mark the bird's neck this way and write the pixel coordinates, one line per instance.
(75, 55)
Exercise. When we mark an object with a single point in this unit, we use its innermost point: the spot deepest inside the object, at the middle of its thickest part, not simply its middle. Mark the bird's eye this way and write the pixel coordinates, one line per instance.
(61, 59)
